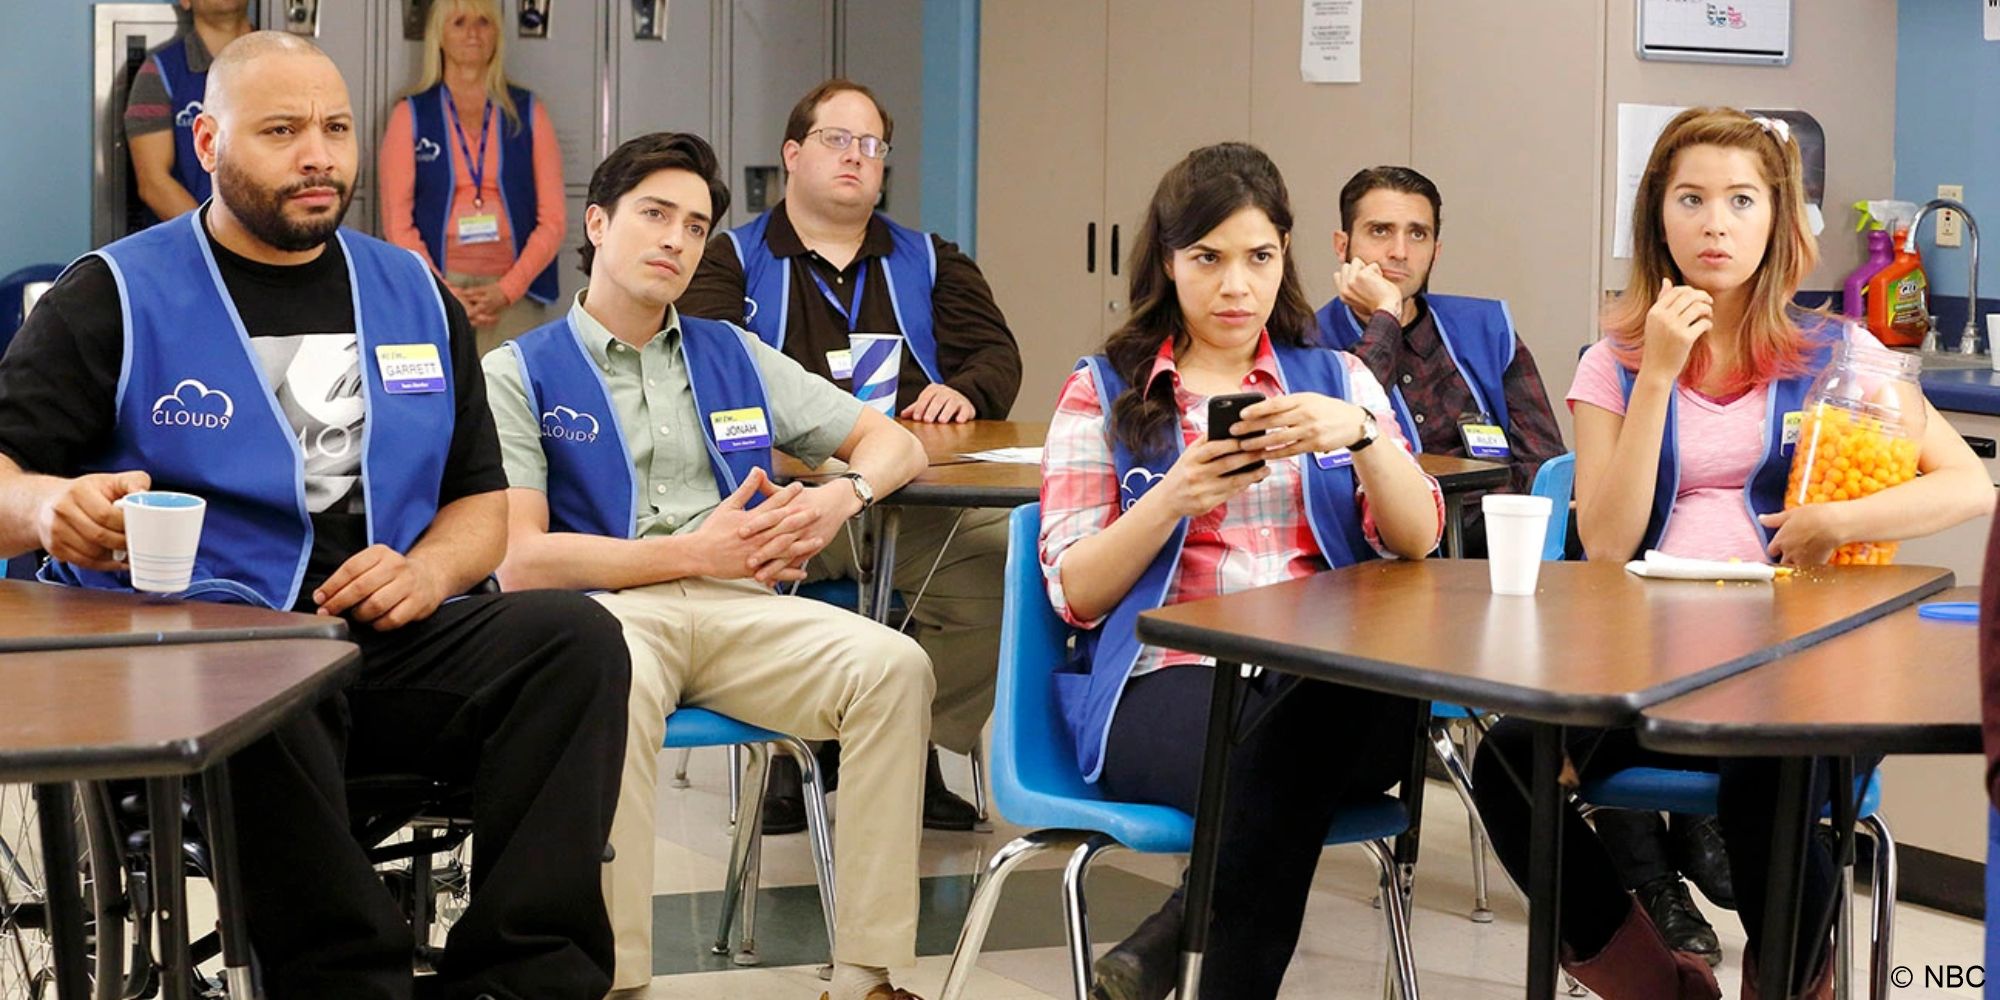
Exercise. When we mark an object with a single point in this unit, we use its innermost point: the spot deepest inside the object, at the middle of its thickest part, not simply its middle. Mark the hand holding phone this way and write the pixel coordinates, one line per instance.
(1223, 413)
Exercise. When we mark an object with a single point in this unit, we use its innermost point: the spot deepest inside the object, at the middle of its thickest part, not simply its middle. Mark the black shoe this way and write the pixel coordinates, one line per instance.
(828, 755)
(784, 797)
(1673, 911)
(943, 809)
(1696, 843)
(1145, 965)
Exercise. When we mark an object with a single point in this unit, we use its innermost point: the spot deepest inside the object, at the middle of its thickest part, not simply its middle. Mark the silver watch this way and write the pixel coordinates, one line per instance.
(862, 490)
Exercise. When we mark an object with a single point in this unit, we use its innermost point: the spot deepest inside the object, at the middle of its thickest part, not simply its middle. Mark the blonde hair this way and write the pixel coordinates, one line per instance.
(1772, 345)
(496, 71)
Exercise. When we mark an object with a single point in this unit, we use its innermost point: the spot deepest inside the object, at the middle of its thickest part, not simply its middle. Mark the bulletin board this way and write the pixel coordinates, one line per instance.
(1756, 32)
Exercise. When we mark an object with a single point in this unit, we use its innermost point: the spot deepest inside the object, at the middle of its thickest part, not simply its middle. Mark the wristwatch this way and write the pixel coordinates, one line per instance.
(862, 490)
(1369, 432)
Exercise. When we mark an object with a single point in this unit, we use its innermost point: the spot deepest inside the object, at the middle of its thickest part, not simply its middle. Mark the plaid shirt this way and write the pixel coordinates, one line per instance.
(1259, 537)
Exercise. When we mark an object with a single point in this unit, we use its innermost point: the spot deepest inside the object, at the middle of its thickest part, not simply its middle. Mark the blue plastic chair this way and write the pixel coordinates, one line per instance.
(11, 288)
(1992, 888)
(689, 728)
(1036, 784)
(1454, 733)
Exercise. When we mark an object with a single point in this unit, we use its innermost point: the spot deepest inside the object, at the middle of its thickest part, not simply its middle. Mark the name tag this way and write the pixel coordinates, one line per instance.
(1794, 423)
(410, 368)
(840, 363)
(736, 430)
(1334, 459)
(479, 229)
(1485, 441)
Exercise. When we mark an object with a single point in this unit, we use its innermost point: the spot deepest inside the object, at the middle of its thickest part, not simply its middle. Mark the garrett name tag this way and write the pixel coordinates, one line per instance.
(410, 368)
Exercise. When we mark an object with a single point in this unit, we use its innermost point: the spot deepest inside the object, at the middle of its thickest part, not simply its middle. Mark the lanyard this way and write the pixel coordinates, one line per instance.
(474, 166)
(850, 313)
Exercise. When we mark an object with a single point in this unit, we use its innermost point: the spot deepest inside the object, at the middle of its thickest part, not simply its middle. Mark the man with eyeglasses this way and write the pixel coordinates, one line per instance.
(823, 264)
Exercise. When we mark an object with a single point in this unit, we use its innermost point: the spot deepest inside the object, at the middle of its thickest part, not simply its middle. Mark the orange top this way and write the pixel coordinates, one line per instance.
(396, 166)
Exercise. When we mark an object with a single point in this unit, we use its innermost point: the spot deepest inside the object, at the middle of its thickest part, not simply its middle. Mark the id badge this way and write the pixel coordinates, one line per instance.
(1486, 441)
(737, 430)
(1794, 424)
(410, 368)
(478, 229)
(1340, 459)
(840, 363)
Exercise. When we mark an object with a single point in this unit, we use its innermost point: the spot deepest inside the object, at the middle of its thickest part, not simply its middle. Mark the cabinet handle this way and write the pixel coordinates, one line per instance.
(1114, 250)
(1090, 249)
(1983, 447)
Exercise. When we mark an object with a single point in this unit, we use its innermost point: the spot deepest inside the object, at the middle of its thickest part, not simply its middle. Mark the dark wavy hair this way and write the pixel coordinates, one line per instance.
(1197, 194)
(637, 159)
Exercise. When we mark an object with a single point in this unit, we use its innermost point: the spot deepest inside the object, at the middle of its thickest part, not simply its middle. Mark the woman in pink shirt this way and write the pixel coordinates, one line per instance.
(471, 175)
(1679, 429)
(1141, 508)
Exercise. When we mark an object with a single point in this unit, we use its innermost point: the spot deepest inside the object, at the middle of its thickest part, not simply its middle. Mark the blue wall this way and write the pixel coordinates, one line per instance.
(1948, 128)
(951, 118)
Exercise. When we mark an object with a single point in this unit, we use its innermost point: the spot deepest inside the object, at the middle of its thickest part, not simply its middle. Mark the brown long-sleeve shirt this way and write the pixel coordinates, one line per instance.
(976, 352)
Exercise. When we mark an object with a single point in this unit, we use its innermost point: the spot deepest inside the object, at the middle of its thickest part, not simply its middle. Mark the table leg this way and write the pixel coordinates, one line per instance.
(228, 880)
(1225, 700)
(163, 812)
(1412, 794)
(55, 809)
(882, 580)
(1790, 826)
(1454, 526)
(1545, 830)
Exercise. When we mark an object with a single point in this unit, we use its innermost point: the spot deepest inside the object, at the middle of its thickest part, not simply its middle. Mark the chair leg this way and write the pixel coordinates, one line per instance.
(753, 876)
(818, 831)
(1482, 911)
(978, 760)
(1456, 769)
(681, 769)
(1397, 914)
(742, 845)
(1882, 932)
(979, 916)
(1076, 919)
(1843, 935)
(735, 784)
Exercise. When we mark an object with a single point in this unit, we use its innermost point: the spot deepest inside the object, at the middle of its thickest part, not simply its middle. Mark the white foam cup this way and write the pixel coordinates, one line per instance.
(1515, 527)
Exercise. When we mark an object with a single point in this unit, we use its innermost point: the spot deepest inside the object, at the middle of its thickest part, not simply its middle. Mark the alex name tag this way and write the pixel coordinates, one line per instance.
(1485, 441)
(410, 368)
(840, 363)
(478, 229)
(736, 430)
(1794, 423)
(1334, 459)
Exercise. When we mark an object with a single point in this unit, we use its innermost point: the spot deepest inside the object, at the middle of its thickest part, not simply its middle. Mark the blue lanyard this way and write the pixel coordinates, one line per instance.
(474, 166)
(850, 313)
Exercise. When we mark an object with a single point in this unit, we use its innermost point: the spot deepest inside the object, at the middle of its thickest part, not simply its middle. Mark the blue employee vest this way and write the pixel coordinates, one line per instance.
(195, 412)
(912, 267)
(1478, 334)
(185, 89)
(1089, 688)
(593, 486)
(437, 143)
(1765, 492)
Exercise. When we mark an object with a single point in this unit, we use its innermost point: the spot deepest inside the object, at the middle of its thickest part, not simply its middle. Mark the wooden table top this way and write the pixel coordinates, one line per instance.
(1902, 684)
(1463, 475)
(152, 711)
(1594, 646)
(945, 444)
(35, 616)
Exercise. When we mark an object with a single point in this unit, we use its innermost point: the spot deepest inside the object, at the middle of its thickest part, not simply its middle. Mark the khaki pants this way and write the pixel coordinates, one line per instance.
(515, 320)
(958, 618)
(798, 667)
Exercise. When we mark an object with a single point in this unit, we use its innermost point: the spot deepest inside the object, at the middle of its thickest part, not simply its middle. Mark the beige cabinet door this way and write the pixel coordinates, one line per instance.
(1179, 79)
(1042, 233)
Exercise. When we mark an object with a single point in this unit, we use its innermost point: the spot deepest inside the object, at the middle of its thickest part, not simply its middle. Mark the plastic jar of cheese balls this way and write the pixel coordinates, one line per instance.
(1858, 434)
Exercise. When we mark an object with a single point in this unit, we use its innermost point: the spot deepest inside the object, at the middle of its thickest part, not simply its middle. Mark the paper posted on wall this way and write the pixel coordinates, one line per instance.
(1330, 44)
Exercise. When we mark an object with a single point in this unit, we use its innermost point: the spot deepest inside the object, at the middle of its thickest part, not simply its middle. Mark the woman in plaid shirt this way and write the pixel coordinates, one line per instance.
(1217, 310)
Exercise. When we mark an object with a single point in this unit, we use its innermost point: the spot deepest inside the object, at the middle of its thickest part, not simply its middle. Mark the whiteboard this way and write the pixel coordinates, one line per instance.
(1731, 31)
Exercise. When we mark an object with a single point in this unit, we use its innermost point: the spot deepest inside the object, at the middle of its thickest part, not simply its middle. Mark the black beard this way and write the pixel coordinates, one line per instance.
(262, 211)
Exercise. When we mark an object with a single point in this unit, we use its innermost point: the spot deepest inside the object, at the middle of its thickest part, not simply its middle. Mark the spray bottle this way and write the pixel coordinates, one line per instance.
(1880, 253)
(1898, 295)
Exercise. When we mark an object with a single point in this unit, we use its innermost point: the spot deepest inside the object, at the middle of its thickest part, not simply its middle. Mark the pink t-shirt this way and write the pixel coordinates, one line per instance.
(1720, 446)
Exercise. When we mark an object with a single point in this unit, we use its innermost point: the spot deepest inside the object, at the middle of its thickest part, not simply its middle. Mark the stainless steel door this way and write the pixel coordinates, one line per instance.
(123, 33)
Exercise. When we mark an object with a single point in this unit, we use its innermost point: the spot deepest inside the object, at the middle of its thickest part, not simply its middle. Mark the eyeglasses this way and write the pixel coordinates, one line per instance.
(873, 147)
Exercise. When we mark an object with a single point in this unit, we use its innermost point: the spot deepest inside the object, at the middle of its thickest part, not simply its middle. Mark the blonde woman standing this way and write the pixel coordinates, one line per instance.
(471, 175)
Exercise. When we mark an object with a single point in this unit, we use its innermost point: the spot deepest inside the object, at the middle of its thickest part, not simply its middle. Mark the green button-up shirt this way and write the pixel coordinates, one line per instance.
(809, 418)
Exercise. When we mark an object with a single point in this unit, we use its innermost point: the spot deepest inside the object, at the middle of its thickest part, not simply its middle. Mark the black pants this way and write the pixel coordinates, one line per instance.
(1309, 746)
(1594, 902)
(520, 696)
(1641, 843)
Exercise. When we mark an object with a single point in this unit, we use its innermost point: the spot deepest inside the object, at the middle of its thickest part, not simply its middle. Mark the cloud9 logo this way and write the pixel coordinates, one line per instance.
(1135, 485)
(187, 115)
(428, 151)
(193, 404)
(565, 424)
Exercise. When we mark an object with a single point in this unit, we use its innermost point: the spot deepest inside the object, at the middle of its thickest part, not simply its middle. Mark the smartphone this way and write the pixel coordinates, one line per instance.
(1224, 411)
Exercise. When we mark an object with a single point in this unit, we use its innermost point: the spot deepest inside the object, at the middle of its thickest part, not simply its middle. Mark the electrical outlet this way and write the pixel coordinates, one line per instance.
(1950, 230)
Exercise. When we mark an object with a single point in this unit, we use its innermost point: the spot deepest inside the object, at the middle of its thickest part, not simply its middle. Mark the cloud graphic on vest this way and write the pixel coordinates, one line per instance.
(1146, 478)
(565, 424)
(193, 404)
(428, 151)
(187, 115)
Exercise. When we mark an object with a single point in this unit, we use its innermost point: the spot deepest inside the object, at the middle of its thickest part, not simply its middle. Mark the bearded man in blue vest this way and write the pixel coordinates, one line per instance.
(164, 100)
(638, 444)
(1462, 381)
(822, 265)
(319, 389)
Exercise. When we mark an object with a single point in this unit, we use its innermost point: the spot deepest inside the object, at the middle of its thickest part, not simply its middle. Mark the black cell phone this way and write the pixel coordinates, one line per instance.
(1223, 412)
